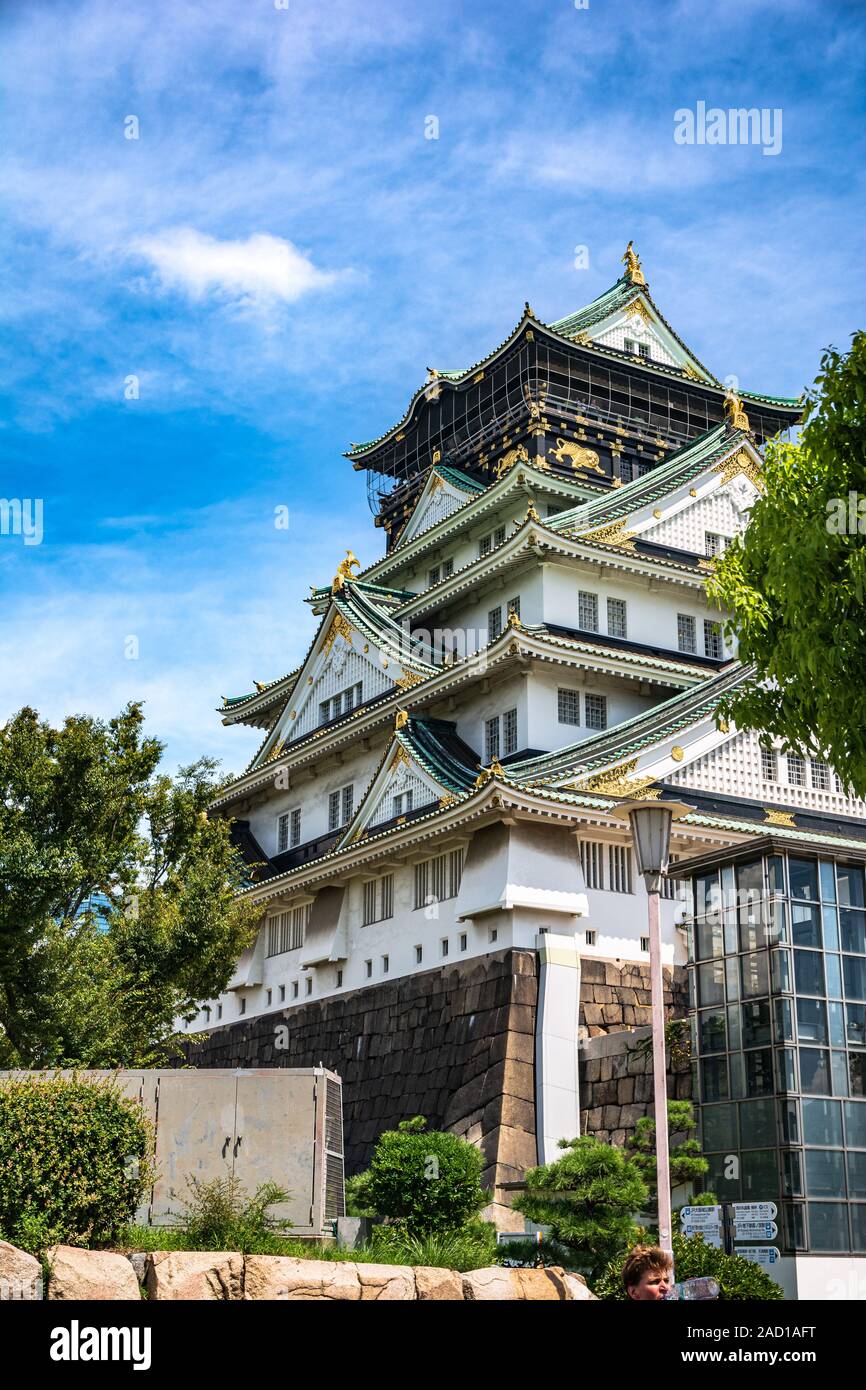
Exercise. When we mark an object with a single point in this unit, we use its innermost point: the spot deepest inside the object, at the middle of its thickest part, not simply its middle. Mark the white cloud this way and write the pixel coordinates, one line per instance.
(261, 269)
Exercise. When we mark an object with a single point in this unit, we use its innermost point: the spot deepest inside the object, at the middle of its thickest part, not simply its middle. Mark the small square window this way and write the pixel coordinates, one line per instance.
(219, 1010)
(820, 777)
(645, 351)
(769, 765)
(596, 711)
(447, 568)
(509, 732)
(464, 941)
(242, 1006)
(270, 995)
(568, 706)
(687, 640)
(309, 984)
(796, 770)
(714, 543)
(386, 964)
(368, 967)
(419, 954)
(589, 937)
(339, 979)
(616, 618)
(484, 546)
(587, 611)
(282, 993)
(494, 933)
(494, 624)
(713, 640)
(434, 576)
(294, 989)
(644, 944)
(445, 946)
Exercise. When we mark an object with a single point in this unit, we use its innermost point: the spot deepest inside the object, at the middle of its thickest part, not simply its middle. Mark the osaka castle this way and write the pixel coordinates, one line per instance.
(451, 913)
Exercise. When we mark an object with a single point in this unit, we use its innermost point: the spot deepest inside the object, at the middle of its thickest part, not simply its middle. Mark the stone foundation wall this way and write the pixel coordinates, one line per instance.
(616, 1083)
(616, 995)
(455, 1044)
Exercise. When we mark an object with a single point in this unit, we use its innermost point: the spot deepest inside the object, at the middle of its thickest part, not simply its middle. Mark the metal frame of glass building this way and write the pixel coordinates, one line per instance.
(777, 981)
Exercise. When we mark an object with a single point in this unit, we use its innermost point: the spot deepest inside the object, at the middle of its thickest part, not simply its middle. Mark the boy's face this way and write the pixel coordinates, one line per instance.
(651, 1287)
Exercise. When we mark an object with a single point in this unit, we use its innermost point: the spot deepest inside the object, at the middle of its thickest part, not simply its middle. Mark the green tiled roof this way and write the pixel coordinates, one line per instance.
(459, 479)
(435, 746)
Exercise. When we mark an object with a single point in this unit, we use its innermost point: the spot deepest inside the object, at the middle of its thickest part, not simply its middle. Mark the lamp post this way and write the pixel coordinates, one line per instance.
(651, 833)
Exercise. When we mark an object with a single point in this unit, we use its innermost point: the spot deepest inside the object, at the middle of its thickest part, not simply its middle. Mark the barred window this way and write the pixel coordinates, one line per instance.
(796, 770)
(592, 863)
(340, 807)
(499, 535)
(434, 575)
(378, 899)
(596, 711)
(587, 611)
(568, 702)
(439, 878)
(714, 543)
(295, 828)
(341, 703)
(619, 868)
(282, 833)
(769, 765)
(289, 830)
(509, 732)
(494, 624)
(589, 937)
(286, 931)
(673, 887)
(616, 619)
(491, 739)
(625, 472)
(820, 776)
(713, 639)
(484, 546)
(513, 605)
(645, 350)
(687, 638)
(402, 803)
(447, 568)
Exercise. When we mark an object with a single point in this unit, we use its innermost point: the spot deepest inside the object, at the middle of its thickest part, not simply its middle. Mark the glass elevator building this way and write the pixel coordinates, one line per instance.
(777, 979)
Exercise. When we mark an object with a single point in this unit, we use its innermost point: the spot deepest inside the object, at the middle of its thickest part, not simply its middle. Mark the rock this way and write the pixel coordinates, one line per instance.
(20, 1275)
(88, 1275)
(386, 1283)
(577, 1288)
(496, 1285)
(138, 1260)
(195, 1275)
(281, 1276)
(438, 1285)
(542, 1285)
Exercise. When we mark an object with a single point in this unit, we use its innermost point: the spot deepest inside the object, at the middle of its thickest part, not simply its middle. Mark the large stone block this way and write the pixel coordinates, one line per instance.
(271, 1277)
(20, 1275)
(437, 1285)
(386, 1283)
(195, 1275)
(90, 1275)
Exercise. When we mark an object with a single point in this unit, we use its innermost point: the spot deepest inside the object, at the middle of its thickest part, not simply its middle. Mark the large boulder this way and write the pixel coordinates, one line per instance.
(88, 1275)
(386, 1283)
(577, 1288)
(281, 1276)
(195, 1274)
(438, 1285)
(497, 1284)
(20, 1274)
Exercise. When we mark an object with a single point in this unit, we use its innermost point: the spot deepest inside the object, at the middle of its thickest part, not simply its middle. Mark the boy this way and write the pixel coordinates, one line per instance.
(647, 1274)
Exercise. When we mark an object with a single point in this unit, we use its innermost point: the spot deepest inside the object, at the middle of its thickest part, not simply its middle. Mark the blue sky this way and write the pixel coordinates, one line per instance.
(281, 253)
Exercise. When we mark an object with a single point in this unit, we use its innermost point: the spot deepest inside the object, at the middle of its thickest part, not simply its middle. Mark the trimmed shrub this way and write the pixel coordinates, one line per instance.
(425, 1181)
(739, 1280)
(75, 1161)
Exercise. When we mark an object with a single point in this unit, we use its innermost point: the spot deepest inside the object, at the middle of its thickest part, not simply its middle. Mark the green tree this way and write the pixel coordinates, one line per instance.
(84, 808)
(587, 1198)
(687, 1165)
(794, 584)
(426, 1181)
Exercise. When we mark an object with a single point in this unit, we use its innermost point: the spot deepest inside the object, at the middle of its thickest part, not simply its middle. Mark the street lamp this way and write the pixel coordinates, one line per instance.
(651, 833)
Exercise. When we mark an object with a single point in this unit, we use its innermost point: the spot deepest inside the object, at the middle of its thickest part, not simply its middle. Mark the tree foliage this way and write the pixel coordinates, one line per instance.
(425, 1181)
(85, 809)
(587, 1198)
(794, 583)
(686, 1162)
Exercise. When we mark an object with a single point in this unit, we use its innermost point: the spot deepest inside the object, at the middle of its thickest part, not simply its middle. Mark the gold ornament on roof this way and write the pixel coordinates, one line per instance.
(677, 753)
(614, 534)
(485, 774)
(566, 451)
(339, 628)
(620, 781)
(631, 261)
(689, 371)
(509, 459)
(406, 682)
(514, 618)
(742, 464)
(531, 512)
(737, 416)
(401, 719)
(447, 800)
(638, 307)
(260, 686)
(344, 571)
(400, 756)
(783, 818)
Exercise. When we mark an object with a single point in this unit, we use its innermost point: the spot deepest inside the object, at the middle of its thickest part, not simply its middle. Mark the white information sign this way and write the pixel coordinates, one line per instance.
(701, 1216)
(712, 1235)
(754, 1211)
(755, 1230)
(759, 1254)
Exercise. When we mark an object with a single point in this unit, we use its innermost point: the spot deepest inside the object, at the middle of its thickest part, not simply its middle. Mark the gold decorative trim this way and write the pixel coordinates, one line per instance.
(436, 482)
(344, 571)
(620, 781)
(783, 818)
(706, 564)
(739, 420)
(566, 451)
(514, 618)
(339, 628)
(614, 534)
(447, 800)
(531, 513)
(401, 719)
(638, 307)
(723, 726)
(485, 774)
(400, 756)
(677, 753)
(406, 682)
(689, 371)
(741, 464)
(509, 459)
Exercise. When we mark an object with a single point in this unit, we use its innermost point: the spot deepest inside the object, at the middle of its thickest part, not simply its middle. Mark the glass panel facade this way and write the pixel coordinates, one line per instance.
(778, 991)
